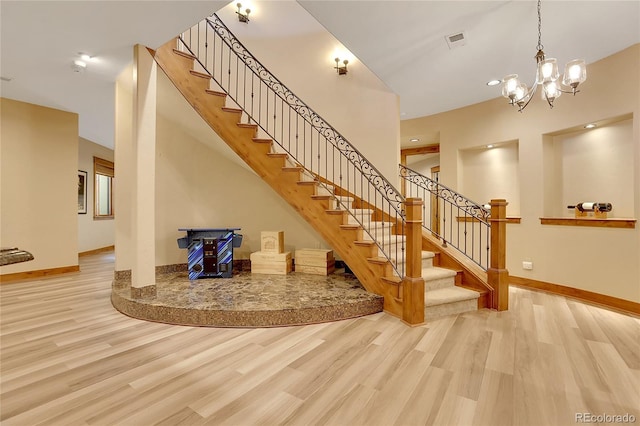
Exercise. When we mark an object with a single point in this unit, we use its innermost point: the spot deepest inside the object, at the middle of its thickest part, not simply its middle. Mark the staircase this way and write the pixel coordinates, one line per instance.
(313, 200)
(444, 291)
(369, 234)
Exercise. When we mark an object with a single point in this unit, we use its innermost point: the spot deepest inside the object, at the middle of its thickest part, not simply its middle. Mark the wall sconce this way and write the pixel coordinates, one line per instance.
(341, 69)
(243, 17)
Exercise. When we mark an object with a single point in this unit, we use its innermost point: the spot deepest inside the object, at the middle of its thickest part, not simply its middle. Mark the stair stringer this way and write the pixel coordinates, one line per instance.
(375, 275)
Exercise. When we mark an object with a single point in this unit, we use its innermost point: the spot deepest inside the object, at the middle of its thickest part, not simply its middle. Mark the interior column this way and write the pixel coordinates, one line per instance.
(144, 151)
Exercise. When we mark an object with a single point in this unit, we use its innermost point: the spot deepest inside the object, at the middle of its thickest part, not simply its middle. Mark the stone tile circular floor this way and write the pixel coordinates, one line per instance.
(250, 300)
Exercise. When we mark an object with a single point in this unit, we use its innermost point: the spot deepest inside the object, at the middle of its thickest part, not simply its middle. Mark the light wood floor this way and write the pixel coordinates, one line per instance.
(68, 358)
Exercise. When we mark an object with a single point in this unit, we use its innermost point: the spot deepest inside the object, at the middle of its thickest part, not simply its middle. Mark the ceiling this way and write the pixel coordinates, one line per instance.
(403, 42)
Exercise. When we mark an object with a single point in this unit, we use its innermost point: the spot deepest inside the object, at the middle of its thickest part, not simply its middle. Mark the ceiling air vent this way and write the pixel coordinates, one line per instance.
(456, 40)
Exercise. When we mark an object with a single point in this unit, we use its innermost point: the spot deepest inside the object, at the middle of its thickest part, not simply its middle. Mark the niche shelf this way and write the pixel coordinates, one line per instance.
(587, 221)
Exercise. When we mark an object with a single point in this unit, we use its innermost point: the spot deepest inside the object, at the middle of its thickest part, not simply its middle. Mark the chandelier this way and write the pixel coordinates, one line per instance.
(547, 77)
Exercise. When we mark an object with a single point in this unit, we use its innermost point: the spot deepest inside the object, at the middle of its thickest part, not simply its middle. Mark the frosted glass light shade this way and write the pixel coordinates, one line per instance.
(551, 91)
(509, 86)
(575, 72)
(521, 92)
(547, 70)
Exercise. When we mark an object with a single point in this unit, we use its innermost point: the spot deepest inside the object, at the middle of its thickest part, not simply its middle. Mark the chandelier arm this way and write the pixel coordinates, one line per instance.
(532, 92)
(550, 102)
(572, 91)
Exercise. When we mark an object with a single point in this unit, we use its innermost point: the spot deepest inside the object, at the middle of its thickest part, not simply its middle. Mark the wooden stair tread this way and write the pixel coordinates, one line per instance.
(277, 155)
(365, 243)
(262, 140)
(232, 110)
(378, 260)
(199, 74)
(291, 169)
(321, 197)
(248, 126)
(215, 93)
(335, 212)
(350, 226)
(392, 280)
(183, 54)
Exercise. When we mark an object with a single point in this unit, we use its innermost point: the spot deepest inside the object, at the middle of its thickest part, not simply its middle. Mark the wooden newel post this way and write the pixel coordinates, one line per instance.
(413, 283)
(497, 273)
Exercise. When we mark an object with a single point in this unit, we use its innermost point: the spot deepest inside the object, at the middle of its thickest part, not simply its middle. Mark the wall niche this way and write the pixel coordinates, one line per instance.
(491, 171)
(590, 165)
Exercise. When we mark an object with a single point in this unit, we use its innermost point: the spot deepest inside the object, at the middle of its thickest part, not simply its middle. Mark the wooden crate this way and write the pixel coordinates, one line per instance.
(271, 263)
(329, 268)
(272, 241)
(276, 268)
(266, 257)
(314, 257)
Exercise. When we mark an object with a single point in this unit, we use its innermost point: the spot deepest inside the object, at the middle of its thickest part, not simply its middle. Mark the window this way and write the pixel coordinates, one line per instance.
(103, 189)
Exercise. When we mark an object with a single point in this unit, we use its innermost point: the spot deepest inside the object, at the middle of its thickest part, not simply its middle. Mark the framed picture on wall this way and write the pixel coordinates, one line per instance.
(82, 192)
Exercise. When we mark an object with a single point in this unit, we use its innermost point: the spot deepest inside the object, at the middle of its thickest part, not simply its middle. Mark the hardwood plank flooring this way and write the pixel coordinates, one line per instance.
(68, 358)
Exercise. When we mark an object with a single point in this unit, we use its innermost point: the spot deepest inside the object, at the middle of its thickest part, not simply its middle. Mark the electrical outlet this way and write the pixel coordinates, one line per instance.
(527, 265)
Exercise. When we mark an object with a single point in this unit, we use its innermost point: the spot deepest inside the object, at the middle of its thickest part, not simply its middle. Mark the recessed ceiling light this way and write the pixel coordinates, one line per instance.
(493, 82)
(85, 57)
(590, 126)
(414, 140)
(489, 146)
(78, 66)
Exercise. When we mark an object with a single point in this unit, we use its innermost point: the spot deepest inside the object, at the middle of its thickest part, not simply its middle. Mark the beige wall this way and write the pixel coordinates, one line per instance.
(93, 234)
(362, 108)
(39, 166)
(487, 173)
(600, 260)
(201, 183)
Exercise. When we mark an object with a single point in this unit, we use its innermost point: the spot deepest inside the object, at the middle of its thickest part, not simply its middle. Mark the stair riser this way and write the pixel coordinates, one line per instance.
(383, 234)
(426, 263)
(324, 191)
(438, 311)
(361, 219)
(439, 283)
(337, 205)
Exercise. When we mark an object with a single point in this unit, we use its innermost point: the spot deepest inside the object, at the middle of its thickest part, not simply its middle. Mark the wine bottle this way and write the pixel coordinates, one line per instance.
(590, 207)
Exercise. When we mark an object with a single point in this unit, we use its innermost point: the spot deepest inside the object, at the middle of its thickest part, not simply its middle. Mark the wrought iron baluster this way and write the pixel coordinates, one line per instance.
(468, 211)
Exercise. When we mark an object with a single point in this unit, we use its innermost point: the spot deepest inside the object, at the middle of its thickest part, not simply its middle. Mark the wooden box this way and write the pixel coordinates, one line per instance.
(315, 261)
(272, 241)
(271, 263)
(314, 257)
(329, 268)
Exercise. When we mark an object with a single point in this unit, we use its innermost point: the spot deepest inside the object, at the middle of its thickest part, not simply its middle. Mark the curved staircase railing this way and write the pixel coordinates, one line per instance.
(451, 217)
(313, 144)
